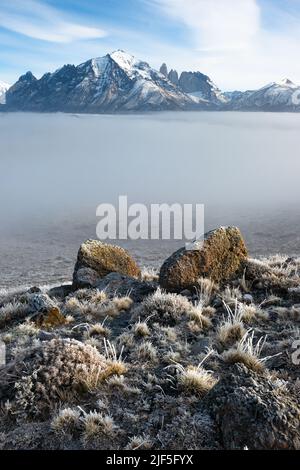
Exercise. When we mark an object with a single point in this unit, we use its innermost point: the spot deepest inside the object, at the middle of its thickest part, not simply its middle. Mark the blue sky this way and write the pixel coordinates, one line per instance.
(240, 44)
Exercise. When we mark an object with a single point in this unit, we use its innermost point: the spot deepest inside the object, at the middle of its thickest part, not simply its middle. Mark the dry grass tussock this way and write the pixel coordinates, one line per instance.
(195, 379)
(96, 305)
(62, 369)
(169, 309)
(232, 328)
(248, 353)
(149, 274)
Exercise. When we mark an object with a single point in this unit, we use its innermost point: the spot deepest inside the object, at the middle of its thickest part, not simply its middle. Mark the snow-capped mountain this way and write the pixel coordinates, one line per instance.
(276, 96)
(3, 89)
(201, 86)
(115, 82)
(120, 82)
(197, 85)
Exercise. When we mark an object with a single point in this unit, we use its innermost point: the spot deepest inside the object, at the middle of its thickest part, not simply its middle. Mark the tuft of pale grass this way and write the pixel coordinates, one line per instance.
(122, 303)
(97, 425)
(141, 329)
(231, 329)
(139, 443)
(115, 364)
(231, 295)
(251, 313)
(206, 288)
(147, 352)
(197, 316)
(96, 304)
(98, 329)
(168, 309)
(66, 422)
(12, 311)
(248, 353)
(195, 379)
(149, 274)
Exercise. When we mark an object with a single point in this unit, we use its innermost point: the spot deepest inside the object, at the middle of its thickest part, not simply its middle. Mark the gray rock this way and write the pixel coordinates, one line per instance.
(38, 303)
(85, 277)
(251, 410)
(45, 336)
(248, 298)
(173, 77)
(186, 293)
(164, 70)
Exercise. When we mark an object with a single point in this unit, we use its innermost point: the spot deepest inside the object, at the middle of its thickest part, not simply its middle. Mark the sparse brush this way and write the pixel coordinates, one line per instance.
(271, 300)
(149, 274)
(231, 295)
(97, 425)
(95, 304)
(231, 329)
(247, 353)
(122, 303)
(195, 379)
(115, 364)
(141, 329)
(208, 311)
(66, 422)
(98, 329)
(206, 290)
(250, 313)
(12, 311)
(126, 340)
(60, 369)
(147, 352)
(196, 315)
(169, 333)
(98, 297)
(72, 306)
(27, 328)
(288, 314)
(139, 443)
(163, 308)
(244, 284)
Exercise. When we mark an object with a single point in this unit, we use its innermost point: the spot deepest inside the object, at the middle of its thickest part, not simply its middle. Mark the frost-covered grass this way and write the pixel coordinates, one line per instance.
(119, 374)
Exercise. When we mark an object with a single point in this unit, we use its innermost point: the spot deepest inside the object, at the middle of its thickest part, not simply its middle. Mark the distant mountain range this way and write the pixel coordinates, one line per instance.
(118, 82)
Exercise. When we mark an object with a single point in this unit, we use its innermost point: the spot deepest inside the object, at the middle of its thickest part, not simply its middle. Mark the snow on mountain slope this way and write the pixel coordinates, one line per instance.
(3, 89)
(115, 82)
(276, 96)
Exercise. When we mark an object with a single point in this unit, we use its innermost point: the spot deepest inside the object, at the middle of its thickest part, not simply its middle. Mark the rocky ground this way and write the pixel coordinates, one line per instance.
(200, 355)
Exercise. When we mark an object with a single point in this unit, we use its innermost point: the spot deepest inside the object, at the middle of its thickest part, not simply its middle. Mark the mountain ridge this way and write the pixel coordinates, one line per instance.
(119, 82)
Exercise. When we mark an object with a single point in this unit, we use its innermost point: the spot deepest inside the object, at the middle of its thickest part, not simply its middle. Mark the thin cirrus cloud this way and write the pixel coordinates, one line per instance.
(37, 20)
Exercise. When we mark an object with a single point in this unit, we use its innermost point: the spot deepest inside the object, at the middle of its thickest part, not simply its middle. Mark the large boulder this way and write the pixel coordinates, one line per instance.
(218, 256)
(254, 411)
(97, 259)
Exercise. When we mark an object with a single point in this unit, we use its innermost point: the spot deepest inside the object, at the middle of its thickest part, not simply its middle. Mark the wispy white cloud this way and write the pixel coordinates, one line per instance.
(35, 19)
(230, 42)
(217, 25)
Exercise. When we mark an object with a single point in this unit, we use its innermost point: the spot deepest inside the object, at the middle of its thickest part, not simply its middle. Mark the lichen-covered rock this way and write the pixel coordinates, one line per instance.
(102, 259)
(254, 411)
(218, 257)
(44, 311)
(38, 302)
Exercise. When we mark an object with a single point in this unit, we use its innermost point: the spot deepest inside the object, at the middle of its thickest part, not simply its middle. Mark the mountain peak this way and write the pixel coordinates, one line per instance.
(286, 82)
(123, 59)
